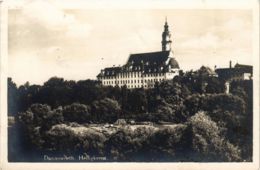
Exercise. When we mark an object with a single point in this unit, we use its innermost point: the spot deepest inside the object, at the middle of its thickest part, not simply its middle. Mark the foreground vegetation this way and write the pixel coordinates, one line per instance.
(67, 117)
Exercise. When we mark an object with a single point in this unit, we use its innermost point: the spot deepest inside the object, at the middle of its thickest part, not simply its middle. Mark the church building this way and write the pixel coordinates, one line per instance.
(143, 70)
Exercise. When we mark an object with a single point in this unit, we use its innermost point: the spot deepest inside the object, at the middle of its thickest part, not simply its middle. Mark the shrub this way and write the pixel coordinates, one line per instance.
(106, 110)
(77, 113)
(207, 143)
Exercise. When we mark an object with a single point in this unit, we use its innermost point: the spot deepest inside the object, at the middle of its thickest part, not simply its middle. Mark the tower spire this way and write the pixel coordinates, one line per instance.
(166, 37)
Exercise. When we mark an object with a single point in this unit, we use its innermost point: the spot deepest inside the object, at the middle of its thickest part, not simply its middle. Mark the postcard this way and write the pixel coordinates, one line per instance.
(129, 85)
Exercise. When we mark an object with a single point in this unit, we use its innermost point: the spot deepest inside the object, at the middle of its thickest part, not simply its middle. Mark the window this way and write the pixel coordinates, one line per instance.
(131, 81)
(135, 81)
(141, 81)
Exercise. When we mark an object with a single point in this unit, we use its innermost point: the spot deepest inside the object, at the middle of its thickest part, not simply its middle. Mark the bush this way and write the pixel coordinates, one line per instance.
(129, 145)
(106, 110)
(166, 144)
(79, 139)
(77, 113)
(207, 143)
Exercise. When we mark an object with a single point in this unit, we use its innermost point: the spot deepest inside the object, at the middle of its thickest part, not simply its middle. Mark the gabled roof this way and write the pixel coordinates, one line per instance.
(152, 62)
(153, 58)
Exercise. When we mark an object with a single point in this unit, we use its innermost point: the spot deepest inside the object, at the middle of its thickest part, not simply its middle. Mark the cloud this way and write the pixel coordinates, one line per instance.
(206, 41)
(45, 40)
(222, 36)
(54, 18)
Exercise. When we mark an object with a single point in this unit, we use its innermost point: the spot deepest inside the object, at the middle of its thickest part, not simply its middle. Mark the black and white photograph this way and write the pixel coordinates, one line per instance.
(130, 85)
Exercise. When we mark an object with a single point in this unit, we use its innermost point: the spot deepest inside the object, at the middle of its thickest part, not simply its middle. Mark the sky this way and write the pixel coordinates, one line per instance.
(45, 40)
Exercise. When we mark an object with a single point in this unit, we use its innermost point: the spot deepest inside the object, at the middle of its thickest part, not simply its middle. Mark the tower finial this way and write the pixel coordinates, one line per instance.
(166, 19)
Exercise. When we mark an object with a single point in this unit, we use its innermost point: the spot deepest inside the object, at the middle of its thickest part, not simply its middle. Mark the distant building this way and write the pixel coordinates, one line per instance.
(237, 73)
(144, 69)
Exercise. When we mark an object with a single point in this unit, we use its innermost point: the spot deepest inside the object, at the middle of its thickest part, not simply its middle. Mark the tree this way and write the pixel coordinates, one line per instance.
(77, 113)
(40, 115)
(13, 97)
(87, 91)
(106, 110)
(207, 143)
(137, 101)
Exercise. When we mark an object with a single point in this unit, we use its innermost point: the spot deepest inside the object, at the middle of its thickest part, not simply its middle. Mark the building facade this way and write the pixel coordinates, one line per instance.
(143, 70)
(237, 73)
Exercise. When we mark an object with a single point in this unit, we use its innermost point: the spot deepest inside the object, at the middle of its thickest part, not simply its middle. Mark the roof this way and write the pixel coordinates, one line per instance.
(152, 57)
(174, 63)
(110, 71)
(237, 70)
(246, 68)
(152, 62)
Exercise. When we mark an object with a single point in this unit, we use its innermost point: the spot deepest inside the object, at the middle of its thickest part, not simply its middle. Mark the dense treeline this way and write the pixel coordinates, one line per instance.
(210, 125)
(59, 92)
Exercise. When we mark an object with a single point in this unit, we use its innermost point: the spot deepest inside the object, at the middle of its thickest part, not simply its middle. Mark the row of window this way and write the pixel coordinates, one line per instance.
(134, 74)
(131, 81)
(139, 86)
(130, 68)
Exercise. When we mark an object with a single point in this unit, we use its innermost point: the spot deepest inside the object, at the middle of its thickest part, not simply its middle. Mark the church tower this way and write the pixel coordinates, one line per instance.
(166, 38)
